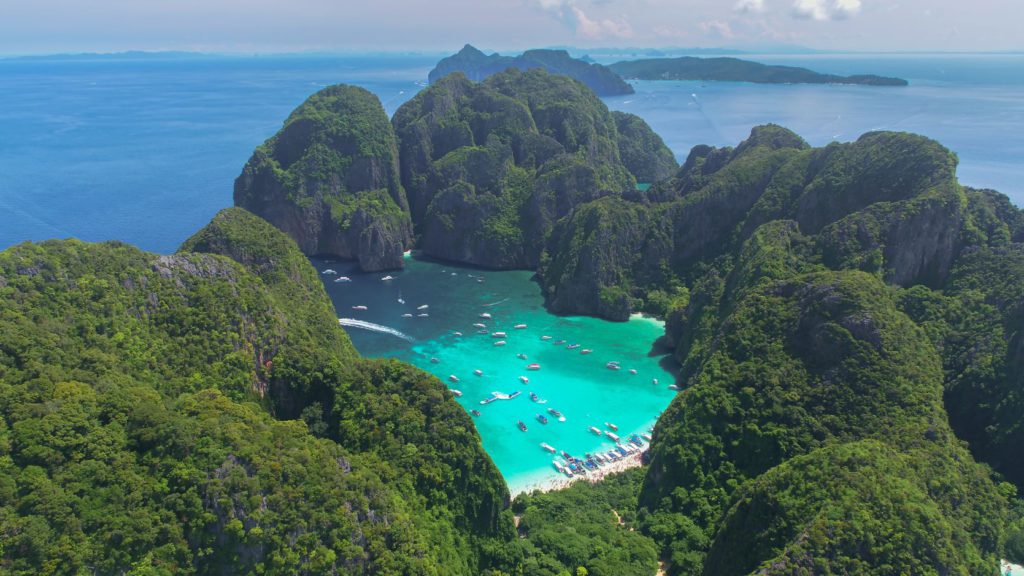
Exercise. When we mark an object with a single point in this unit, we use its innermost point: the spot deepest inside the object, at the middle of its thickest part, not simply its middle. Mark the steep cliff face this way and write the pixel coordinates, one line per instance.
(478, 66)
(490, 167)
(329, 179)
(887, 203)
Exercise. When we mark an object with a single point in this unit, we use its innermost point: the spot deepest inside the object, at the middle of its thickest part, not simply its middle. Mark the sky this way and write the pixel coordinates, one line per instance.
(49, 26)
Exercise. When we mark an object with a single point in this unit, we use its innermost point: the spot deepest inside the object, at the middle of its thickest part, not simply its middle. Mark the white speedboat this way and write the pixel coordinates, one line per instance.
(519, 326)
(456, 393)
(485, 316)
(545, 337)
(342, 279)
(453, 378)
(359, 307)
(424, 307)
(329, 271)
(548, 447)
(478, 372)
(423, 315)
(524, 379)
(387, 278)
(479, 325)
(406, 315)
(632, 371)
(499, 335)
(500, 343)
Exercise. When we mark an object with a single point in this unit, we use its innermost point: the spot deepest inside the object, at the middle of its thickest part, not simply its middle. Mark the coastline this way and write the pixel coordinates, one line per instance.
(551, 481)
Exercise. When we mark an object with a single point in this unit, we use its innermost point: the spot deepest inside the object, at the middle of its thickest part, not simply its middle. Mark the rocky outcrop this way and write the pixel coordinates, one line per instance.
(887, 203)
(329, 179)
(490, 167)
(736, 70)
(478, 66)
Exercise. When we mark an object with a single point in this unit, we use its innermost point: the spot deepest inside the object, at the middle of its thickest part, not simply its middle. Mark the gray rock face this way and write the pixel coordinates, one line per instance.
(329, 179)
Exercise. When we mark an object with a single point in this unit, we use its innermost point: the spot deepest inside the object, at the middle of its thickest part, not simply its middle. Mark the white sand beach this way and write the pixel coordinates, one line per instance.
(556, 481)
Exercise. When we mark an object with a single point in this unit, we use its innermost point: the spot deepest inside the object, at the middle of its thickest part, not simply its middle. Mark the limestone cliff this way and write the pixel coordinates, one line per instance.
(329, 179)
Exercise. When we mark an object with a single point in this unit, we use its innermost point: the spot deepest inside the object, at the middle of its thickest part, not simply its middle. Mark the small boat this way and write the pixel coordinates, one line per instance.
(478, 372)
(489, 400)
(499, 335)
(406, 315)
(537, 399)
(521, 356)
(474, 412)
(567, 457)
(558, 342)
(542, 419)
(675, 387)
(479, 325)
(453, 378)
(519, 326)
(342, 279)
(533, 366)
(632, 371)
(595, 430)
(424, 307)
(434, 361)
(573, 346)
(485, 316)
(387, 278)
(611, 426)
(329, 271)
(556, 414)
(654, 381)
(424, 315)
(648, 437)
(513, 395)
(359, 307)
(500, 343)
(483, 331)
(613, 366)
(457, 334)
(548, 447)
(545, 337)
(612, 435)
(521, 425)
(524, 379)
(586, 351)
(456, 393)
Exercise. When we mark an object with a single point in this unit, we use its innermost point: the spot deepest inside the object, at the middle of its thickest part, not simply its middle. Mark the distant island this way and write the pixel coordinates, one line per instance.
(478, 66)
(736, 70)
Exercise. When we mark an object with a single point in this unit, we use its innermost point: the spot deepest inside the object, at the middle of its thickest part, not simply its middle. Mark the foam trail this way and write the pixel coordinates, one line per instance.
(496, 303)
(353, 323)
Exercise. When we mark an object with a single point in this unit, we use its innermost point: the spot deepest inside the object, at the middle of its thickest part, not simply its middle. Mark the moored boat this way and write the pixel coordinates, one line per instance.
(548, 447)
(342, 279)
(632, 371)
(522, 425)
(406, 315)
(424, 315)
(485, 315)
(456, 333)
(654, 381)
(524, 379)
(424, 307)
(474, 412)
(613, 366)
(360, 307)
(456, 393)
(533, 366)
(573, 346)
(675, 387)
(479, 325)
(611, 426)
(453, 378)
(478, 372)
(519, 326)
(434, 361)
(586, 351)
(513, 395)
(500, 343)
(647, 437)
(499, 335)
(595, 430)
(545, 337)
(556, 414)
(542, 419)
(329, 271)
(612, 435)
(387, 278)
(521, 356)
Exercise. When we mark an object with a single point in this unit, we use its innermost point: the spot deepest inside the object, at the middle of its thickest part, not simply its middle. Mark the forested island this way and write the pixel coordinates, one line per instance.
(847, 318)
(478, 66)
(736, 70)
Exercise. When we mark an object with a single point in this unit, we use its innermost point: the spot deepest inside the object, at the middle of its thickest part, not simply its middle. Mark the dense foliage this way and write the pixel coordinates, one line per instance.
(329, 178)
(736, 70)
(478, 66)
(490, 167)
(136, 432)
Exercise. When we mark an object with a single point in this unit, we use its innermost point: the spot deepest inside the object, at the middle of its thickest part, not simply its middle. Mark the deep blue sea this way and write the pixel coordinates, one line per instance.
(146, 149)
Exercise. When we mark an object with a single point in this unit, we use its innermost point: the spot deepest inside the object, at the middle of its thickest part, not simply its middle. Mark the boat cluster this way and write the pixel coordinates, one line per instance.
(574, 466)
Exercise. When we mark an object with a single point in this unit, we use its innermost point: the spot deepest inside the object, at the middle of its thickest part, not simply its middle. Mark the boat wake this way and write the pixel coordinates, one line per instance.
(496, 303)
(353, 323)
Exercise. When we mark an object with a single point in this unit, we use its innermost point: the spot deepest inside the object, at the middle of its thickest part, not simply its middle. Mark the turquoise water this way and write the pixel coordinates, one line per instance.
(579, 386)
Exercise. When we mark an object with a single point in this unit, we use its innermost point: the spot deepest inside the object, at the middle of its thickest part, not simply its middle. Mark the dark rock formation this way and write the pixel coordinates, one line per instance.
(478, 66)
(736, 70)
(329, 179)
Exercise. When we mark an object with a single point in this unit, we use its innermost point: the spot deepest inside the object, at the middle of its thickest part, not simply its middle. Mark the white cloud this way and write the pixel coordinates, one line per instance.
(822, 10)
(717, 28)
(585, 26)
(745, 6)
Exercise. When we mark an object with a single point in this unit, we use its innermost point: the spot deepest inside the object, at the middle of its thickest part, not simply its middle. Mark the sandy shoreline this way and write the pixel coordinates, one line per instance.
(556, 481)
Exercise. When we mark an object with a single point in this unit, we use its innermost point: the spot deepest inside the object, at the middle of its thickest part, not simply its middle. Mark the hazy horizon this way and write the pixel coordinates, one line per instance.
(261, 26)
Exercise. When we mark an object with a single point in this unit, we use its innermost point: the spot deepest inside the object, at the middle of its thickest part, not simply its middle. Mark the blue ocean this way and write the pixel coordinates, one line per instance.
(145, 149)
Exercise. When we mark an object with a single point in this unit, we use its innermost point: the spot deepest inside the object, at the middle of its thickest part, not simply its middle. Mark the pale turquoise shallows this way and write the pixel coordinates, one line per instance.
(578, 385)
